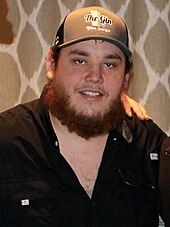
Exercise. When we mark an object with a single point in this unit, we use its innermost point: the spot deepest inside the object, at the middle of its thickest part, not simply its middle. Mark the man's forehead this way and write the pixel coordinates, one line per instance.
(91, 47)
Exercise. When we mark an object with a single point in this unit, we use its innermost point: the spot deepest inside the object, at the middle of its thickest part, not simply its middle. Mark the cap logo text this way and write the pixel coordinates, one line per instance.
(98, 21)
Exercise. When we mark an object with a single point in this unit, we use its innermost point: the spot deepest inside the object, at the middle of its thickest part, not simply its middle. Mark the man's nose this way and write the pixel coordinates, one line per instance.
(94, 75)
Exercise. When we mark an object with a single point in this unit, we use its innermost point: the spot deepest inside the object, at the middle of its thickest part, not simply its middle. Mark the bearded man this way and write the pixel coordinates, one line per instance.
(73, 157)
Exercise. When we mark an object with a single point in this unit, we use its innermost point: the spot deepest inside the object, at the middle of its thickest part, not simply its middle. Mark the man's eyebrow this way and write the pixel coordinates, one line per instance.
(85, 53)
(79, 52)
(113, 56)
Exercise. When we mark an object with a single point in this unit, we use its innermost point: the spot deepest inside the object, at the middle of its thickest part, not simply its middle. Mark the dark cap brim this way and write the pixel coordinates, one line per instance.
(121, 46)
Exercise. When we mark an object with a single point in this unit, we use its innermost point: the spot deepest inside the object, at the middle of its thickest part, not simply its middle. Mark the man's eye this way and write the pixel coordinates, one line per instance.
(110, 65)
(79, 61)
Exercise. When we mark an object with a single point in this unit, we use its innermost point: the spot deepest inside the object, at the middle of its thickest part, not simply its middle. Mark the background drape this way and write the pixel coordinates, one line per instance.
(27, 30)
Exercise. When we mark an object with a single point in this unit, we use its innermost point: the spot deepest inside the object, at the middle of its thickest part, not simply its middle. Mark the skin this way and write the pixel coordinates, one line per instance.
(93, 74)
(128, 103)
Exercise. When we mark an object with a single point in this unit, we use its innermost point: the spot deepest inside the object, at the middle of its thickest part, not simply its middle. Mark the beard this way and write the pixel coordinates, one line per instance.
(58, 103)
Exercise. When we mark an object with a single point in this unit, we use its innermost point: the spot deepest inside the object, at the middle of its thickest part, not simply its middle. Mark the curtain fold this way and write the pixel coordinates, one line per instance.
(27, 30)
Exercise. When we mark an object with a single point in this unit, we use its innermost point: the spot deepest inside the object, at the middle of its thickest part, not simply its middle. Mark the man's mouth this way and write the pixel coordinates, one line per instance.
(91, 93)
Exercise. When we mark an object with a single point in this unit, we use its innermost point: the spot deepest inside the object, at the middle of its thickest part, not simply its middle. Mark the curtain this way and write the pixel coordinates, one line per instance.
(27, 30)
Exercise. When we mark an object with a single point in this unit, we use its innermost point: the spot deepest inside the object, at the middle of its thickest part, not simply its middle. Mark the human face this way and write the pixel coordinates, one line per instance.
(92, 73)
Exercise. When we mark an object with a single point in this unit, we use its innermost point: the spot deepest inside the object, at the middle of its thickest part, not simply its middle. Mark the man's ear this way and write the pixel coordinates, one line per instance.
(126, 81)
(50, 65)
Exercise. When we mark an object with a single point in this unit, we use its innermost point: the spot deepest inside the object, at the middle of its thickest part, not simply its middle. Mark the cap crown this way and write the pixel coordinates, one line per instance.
(93, 23)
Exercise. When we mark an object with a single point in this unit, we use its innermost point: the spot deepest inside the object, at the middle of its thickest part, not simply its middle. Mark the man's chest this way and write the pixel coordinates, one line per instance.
(86, 169)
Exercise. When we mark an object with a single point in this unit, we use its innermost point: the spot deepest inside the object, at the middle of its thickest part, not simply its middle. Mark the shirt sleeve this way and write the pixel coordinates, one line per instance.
(164, 181)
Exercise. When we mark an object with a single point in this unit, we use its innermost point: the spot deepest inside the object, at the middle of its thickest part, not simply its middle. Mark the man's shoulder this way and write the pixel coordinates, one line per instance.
(14, 119)
(146, 132)
(20, 108)
(149, 126)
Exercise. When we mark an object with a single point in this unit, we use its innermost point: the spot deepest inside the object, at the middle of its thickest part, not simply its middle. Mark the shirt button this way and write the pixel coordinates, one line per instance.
(115, 139)
(93, 204)
(167, 153)
(56, 143)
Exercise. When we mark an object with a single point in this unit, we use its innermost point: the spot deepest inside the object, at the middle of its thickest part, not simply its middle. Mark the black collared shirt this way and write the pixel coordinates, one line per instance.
(39, 188)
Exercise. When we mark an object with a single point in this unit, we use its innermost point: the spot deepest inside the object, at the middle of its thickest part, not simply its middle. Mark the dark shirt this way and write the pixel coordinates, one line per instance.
(39, 188)
(164, 181)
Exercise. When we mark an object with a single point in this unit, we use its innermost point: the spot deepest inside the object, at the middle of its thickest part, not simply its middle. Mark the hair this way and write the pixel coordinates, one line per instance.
(56, 52)
(128, 64)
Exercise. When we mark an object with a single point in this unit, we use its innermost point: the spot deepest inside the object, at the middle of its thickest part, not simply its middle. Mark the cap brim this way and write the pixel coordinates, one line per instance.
(116, 42)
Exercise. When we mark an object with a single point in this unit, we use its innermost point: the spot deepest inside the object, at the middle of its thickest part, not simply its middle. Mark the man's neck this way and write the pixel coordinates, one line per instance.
(84, 156)
(75, 140)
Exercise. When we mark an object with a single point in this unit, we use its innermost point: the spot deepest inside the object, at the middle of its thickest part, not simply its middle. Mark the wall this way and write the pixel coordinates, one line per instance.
(27, 30)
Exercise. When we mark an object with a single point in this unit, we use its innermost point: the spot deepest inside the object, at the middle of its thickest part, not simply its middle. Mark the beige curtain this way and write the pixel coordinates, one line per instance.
(27, 30)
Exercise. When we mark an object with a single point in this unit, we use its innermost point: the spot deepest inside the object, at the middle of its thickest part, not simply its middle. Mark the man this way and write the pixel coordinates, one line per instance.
(73, 158)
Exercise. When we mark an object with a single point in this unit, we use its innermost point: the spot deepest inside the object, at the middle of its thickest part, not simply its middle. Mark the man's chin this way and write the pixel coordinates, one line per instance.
(88, 122)
(89, 111)
(90, 114)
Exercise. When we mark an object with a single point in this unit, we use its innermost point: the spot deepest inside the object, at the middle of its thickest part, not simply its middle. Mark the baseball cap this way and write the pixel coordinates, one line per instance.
(93, 23)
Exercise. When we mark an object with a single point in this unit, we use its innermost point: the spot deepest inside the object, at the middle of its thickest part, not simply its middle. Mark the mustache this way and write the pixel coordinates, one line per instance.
(90, 87)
